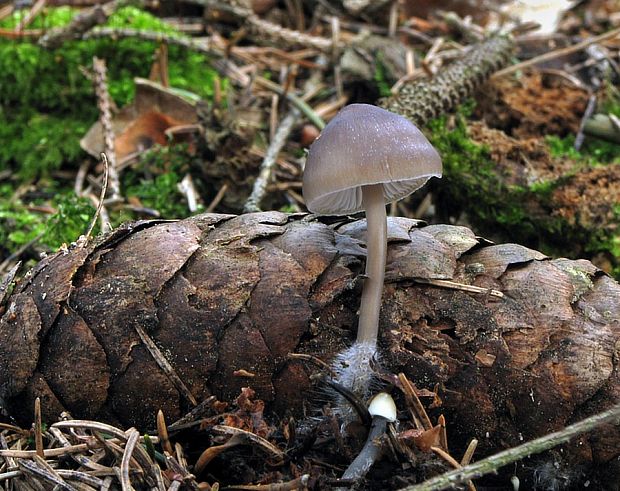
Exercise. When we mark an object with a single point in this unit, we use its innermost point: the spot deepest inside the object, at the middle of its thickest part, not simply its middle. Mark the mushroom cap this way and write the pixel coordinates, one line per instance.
(363, 145)
(383, 405)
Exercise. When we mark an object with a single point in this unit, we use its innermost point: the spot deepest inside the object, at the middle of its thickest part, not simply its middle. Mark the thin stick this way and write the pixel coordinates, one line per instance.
(557, 53)
(443, 434)
(299, 483)
(132, 440)
(4, 447)
(38, 471)
(34, 11)
(79, 458)
(335, 55)
(266, 170)
(104, 189)
(204, 45)
(414, 402)
(217, 198)
(452, 461)
(293, 99)
(162, 431)
(469, 452)
(105, 108)
(38, 427)
(579, 138)
(460, 286)
(6, 10)
(494, 462)
(267, 29)
(165, 365)
(393, 20)
(253, 204)
(81, 23)
(187, 187)
(313, 359)
(47, 453)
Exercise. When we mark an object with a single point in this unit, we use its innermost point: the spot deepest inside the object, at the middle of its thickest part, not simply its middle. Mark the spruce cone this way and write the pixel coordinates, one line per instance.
(225, 299)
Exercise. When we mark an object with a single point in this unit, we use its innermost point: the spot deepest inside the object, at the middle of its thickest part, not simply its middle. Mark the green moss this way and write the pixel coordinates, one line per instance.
(593, 151)
(21, 224)
(601, 241)
(72, 218)
(155, 181)
(563, 147)
(472, 185)
(45, 97)
(18, 225)
(138, 19)
(36, 143)
(47, 105)
(56, 17)
(469, 175)
(380, 77)
(544, 188)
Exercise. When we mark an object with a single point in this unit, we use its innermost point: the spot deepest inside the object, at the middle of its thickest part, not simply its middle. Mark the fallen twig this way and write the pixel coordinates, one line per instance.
(557, 53)
(204, 45)
(253, 203)
(165, 365)
(494, 462)
(293, 99)
(34, 11)
(453, 285)
(268, 29)
(420, 417)
(105, 108)
(579, 138)
(104, 189)
(81, 23)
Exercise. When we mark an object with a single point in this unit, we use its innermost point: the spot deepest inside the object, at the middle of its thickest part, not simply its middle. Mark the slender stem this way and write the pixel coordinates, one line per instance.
(376, 247)
(370, 452)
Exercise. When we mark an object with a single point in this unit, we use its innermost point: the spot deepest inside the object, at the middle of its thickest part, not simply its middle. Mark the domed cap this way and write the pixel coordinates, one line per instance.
(383, 405)
(364, 145)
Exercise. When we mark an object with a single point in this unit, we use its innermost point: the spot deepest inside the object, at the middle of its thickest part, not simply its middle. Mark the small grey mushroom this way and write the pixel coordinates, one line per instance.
(364, 158)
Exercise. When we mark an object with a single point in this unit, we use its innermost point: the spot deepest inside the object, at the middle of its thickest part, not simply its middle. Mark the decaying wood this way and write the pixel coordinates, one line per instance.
(225, 299)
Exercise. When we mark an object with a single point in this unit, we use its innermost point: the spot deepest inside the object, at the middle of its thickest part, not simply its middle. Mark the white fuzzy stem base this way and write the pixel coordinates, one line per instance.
(352, 368)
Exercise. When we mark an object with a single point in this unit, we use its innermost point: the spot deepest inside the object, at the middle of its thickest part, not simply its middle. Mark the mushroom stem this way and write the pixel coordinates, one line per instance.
(376, 247)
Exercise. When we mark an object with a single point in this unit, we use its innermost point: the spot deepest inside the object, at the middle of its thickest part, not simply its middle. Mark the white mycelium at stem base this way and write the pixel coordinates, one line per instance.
(364, 158)
(353, 366)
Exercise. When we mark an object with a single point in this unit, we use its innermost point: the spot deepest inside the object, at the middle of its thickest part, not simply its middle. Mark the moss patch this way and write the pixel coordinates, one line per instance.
(47, 102)
(516, 190)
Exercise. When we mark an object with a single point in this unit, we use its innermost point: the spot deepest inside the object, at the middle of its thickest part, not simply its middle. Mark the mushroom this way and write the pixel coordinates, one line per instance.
(383, 411)
(364, 158)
